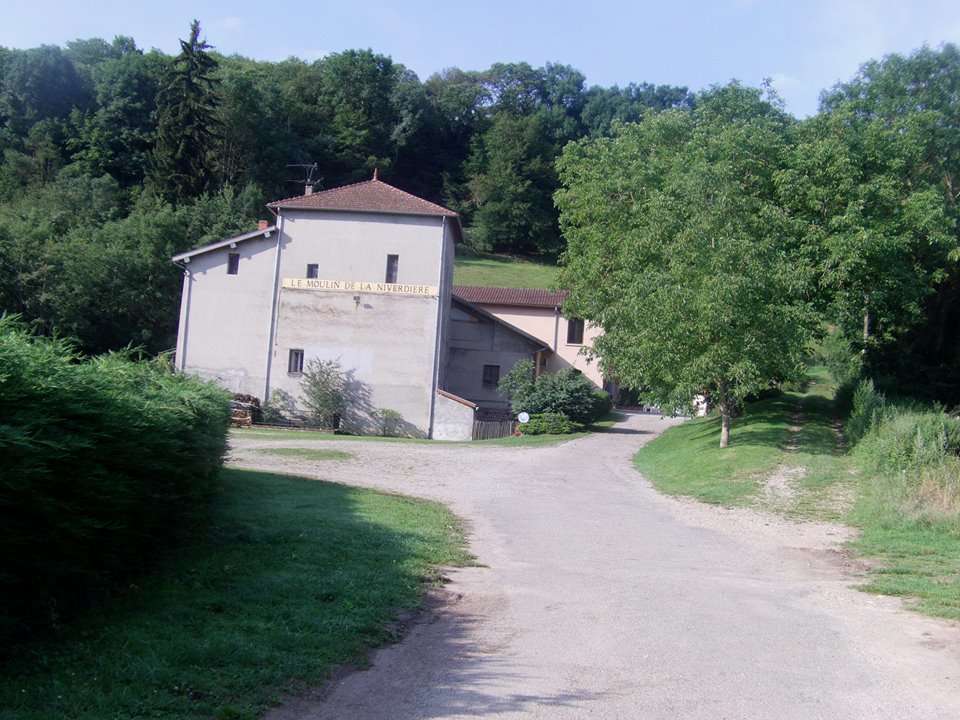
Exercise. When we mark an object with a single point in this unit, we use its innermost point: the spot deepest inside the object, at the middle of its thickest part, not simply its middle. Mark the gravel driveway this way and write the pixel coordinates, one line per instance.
(599, 598)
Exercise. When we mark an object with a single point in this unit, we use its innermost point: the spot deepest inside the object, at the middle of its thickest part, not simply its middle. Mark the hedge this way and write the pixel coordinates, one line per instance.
(103, 462)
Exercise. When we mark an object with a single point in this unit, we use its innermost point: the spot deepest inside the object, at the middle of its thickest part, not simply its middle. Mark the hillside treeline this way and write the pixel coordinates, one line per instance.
(114, 158)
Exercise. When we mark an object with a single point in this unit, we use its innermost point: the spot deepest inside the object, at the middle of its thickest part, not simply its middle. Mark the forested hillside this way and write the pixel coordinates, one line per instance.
(115, 158)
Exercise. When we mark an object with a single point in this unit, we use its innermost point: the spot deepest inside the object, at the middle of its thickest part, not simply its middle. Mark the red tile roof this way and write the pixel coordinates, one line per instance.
(368, 196)
(525, 297)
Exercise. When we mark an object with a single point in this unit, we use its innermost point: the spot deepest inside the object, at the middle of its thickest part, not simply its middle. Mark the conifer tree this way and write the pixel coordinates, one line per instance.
(187, 126)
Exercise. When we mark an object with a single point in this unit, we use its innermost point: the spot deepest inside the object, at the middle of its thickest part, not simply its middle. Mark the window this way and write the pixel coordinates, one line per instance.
(313, 270)
(233, 263)
(295, 363)
(393, 263)
(491, 376)
(574, 331)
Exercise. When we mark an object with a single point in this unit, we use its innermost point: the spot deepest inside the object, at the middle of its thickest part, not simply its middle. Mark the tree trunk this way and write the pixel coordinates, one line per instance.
(724, 425)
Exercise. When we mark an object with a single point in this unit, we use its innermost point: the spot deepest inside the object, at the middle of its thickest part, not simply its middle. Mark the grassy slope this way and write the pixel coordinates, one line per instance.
(295, 577)
(916, 560)
(502, 271)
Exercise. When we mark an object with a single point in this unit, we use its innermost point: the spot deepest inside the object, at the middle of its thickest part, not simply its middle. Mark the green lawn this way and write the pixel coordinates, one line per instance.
(282, 434)
(294, 578)
(503, 271)
(920, 561)
(307, 453)
(687, 460)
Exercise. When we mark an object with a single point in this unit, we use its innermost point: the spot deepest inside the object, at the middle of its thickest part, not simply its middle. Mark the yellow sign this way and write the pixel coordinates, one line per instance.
(360, 286)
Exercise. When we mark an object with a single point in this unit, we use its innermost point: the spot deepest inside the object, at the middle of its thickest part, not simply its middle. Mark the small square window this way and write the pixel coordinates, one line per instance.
(393, 267)
(574, 331)
(295, 362)
(233, 263)
(491, 376)
(313, 269)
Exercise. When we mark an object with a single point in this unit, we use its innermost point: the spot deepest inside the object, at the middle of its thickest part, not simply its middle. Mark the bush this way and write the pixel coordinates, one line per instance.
(566, 392)
(391, 422)
(866, 406)
(324, 392)
(550, 424)
(105, 461)
(842, 362)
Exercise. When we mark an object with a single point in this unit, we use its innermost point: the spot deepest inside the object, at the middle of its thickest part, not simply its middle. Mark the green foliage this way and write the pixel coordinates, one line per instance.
(103, 460)
(566, 393)
(679, 249)
(187, 122)
(866, 409)
(324, 392)
(391, 422)
(550, 423)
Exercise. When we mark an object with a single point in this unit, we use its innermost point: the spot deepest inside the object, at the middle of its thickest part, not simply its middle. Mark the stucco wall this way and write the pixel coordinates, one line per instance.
(476, 341)
(225, 319)
(546, 325)
(387, 343)
(384, 343)
(452, 420)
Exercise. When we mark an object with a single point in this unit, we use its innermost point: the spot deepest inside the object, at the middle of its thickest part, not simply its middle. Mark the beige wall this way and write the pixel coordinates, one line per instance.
(387, 343)
(544, 324)
(225, 319)
(475, 341)
(453, 421)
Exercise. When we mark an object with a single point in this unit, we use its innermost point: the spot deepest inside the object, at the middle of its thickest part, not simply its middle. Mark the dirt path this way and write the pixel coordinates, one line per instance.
(599, 598)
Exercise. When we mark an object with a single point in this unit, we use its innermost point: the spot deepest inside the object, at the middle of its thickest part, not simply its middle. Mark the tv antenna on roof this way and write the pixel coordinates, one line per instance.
(308, 176)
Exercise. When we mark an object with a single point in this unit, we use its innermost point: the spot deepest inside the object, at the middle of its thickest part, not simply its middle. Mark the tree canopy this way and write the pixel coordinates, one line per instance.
(678, 248)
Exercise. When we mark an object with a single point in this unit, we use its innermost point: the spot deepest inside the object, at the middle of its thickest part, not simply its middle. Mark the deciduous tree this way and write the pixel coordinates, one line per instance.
(678, 248)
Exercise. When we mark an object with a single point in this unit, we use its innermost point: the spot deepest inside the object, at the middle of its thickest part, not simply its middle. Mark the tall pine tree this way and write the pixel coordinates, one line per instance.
(187, 125)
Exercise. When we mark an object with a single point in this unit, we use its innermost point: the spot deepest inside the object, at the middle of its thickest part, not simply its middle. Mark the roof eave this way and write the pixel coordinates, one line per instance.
(185, 256)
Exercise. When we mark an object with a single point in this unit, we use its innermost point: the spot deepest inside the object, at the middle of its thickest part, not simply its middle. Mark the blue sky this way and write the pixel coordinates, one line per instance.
(803, 47)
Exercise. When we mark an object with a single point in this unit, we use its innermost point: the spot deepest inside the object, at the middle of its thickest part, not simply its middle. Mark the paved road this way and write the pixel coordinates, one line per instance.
(598, 598)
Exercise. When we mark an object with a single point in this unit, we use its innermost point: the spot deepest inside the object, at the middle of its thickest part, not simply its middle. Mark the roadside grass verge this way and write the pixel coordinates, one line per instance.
(293, 578)
(281, 434)
(911, 556)
(489, 270)
(687, 460)
(307, 453)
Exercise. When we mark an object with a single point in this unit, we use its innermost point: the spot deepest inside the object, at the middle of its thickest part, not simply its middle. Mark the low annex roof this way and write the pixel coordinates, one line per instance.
(373, 196)
(521, 297)
(224, 243)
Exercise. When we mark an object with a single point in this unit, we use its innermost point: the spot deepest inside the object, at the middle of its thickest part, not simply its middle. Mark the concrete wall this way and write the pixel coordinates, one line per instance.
(453, 420)
(386, 343)
(475, 341)
(225, 319)
(546, 325)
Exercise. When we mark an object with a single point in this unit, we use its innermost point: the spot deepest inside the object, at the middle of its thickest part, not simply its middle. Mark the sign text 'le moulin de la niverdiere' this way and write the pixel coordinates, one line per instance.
(360, 286)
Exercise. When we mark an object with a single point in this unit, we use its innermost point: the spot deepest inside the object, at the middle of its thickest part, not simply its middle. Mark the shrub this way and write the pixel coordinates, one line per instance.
(324, 392)
(390, 421)
(104, 462)
(866, 405)
(566, 392)
(842, 362)
(550, 424)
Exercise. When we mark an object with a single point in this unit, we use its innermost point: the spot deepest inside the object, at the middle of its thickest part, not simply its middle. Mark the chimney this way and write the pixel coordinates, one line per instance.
(308, 190)
(262, 224)
(376, 172)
